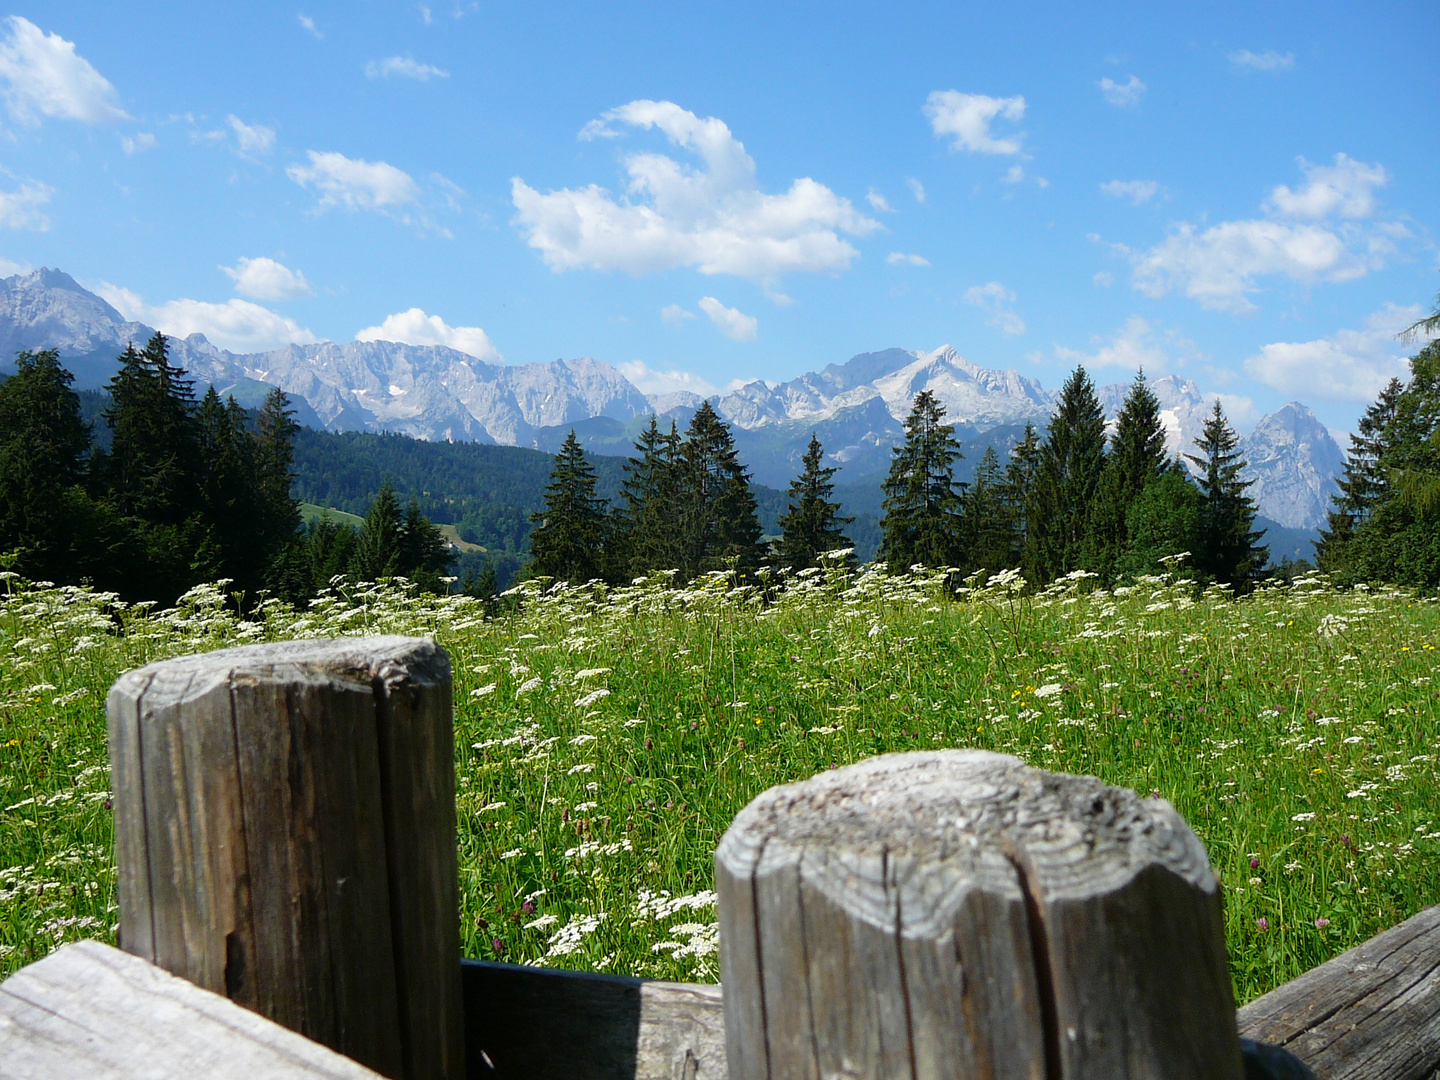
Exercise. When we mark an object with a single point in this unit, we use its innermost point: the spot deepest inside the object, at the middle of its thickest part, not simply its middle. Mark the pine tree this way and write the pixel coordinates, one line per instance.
(377, 549)
(424, 554)
(1229, 549)
(718, 523)
(1019, 488)
(154, 459)
(1067, 481)
(812, 523)
(989, 531)
(568, 541)
(1136, 459)
(227, 494)
(1364, 483)
(44, 510)
(922, 506)
(647, 527)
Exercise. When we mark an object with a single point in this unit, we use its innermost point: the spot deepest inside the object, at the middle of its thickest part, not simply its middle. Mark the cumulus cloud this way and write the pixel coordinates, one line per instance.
(1135, 346)
(996, 300)
(9, 268)
(650, 381)
(45, 76)
(1219, 266)
(878, 202)
(967, 118)
(1350, 365)
(237, 325)
(734, 324)
(404, 67)
(917, 189)
(673, 315)
(1122, 94)
(355, 184)
(414, 327)
(1269, 60)
(1345, 190)
(714, 218)
(20, 209)
(266, 279)
(1137, 191)
(900, 258)
(138, 143)
(251, 138)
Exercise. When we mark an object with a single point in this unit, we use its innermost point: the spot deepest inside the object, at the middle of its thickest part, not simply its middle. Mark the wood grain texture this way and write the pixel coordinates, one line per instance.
(961, 914)
(90, 1012)
(1372, 1013)
(525, 1023)
(286, 837)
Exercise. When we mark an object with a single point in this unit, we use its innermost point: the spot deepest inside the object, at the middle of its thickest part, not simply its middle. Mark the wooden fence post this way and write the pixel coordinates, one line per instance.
(285, 836)
(960, 914)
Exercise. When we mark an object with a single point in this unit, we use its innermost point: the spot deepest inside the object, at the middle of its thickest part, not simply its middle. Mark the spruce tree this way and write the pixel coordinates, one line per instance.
(154, 460)
(44, 509)
(1164, 520)
(647, 526)
(568, 541)
(922, 506)
(376, 552)
(1229, 548)
(1019, 488)
(1067, 481)
(1136, 459)
(718, 523)
(424, 554)
(812, 523)
(988, 526)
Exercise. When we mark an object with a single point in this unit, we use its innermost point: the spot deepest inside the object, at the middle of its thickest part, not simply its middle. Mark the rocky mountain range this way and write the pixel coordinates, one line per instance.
(857, 408)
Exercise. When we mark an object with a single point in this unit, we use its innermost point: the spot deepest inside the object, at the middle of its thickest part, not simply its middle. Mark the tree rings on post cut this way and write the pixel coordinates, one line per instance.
(285, 836)
(961, 914)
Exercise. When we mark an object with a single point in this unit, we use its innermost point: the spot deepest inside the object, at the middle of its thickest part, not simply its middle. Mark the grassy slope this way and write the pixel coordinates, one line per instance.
(603, 744)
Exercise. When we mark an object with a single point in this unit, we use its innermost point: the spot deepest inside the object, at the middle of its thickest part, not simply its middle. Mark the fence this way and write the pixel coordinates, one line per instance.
(285, 825)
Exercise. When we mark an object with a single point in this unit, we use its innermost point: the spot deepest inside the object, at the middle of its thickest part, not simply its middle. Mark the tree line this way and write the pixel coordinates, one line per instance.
(185, 491)
(1076, 499)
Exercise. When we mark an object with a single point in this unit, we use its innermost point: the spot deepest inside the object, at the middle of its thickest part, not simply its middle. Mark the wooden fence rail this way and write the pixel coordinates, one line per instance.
(285, 838)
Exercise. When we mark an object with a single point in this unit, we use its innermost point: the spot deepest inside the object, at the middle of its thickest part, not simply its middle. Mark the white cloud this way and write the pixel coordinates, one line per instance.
(878, 202)
(734, 324)
(1122, 94)
(1133, 347)
(308, 24)
(404, 67)
(414, 327)
(44, 76)
(20, 209)
(251, 138)
(714, 218)
(138, 143)
(1219, 266)
(1345, 190)
(917, 189)
(967, 117)
(1239, 410)
(650, 381)
(997, 301)
(1015, 174)
(9, 268)
(1351, 365)
(237, 325)
(266, 279)
(1137, 191)
(1104, 279)
(900, 258)
(674, 315)
(1269, 60)
(355, 184)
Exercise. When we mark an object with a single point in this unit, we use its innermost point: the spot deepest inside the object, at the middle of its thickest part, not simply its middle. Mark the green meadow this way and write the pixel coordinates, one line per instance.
(606, 737)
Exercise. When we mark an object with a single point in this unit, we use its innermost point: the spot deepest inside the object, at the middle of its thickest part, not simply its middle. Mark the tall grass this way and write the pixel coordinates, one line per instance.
(606, 737)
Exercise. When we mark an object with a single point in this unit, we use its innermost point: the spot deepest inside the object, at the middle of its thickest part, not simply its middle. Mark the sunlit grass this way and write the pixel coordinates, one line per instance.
(606, 738)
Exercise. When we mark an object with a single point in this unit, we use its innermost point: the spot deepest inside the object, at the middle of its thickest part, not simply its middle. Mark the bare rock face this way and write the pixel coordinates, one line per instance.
(1293, 461)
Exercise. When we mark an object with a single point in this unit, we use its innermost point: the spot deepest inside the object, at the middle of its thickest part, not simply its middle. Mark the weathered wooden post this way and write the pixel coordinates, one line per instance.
(960, 914)
(285, 835)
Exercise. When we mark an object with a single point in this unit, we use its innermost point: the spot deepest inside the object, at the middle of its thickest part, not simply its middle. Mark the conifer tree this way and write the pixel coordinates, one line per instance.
(424, 554)
(1136, 459)
(377, 549)
(1364, 483)
(718, 523)
(44, 510)
(154, 455)
(812, 523)
(1229, 549)
(922, 506)
(568, 541)
(1164, 520)
(989, 532)
(647, 525)
(1019, 488)
(1072, 459)
(227, 493)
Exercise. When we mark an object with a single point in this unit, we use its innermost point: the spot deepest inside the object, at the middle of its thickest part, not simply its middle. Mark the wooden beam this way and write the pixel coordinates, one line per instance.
(1372, 1013)
(90, 1012)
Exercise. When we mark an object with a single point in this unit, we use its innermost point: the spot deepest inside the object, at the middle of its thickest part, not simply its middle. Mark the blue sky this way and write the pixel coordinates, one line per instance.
(1245, 195)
